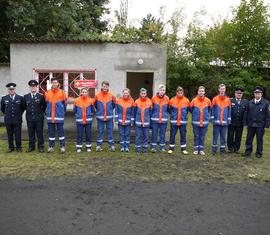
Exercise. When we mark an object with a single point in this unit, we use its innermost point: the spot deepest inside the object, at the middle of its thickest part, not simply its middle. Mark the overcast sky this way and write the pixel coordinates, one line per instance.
(215, 8)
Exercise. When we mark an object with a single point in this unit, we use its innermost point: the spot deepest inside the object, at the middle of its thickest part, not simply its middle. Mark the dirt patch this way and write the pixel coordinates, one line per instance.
(104, 206)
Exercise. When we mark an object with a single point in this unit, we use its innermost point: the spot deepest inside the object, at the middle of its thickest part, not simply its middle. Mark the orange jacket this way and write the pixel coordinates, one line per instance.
(56, 105)
(142, 112)
(201, 110)
(221, 110)
(178, 108)
(160, 109)
(124, 111)
(84, 109)
(104, 103)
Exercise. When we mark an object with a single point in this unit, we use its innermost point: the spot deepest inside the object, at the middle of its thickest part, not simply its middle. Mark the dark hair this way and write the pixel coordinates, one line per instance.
(105, 83)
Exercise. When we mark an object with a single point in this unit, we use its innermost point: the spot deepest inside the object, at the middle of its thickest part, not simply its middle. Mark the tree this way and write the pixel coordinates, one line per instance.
(152, 29)
(251, 33)
(63, 19)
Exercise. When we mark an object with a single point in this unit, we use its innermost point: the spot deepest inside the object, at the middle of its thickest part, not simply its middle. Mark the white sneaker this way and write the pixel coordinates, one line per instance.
(195, 152)
(112, 149)
(153, 150)
(62, 149)
(127, 150)
(50, 149)
(185, 152)
(79, 150)
(88, 150)
(202, 152)
(98, 149)
(122, 150)
(170, 151)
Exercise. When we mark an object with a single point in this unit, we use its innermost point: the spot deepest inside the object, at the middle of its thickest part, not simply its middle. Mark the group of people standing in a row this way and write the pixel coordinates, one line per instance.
(225, 113)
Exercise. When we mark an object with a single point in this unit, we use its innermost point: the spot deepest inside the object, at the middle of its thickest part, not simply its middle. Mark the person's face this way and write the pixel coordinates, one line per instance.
(180, 93)
(33, 89)
(143, 94)
(238, 95)
(126, 94)
(55, 84)
(222, 90)
(84, 92)
(161, 91)
(201, 92)
(257, 95)
(105, 87)
(11, 91)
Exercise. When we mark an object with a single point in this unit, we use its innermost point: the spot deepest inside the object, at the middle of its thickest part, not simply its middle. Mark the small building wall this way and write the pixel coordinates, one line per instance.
(4, 78)
(112, 61)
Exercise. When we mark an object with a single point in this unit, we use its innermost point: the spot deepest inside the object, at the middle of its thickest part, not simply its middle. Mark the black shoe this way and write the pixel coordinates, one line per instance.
(10, 150)
(258, 155)
(41, 150)
(19, 150)
(29, 150)
(230, 151)
(223, 151)
(236, 151)
(214, 152)
(246, 155)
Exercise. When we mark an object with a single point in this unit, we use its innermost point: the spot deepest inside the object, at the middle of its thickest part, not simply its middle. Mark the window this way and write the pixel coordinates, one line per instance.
(67, 79)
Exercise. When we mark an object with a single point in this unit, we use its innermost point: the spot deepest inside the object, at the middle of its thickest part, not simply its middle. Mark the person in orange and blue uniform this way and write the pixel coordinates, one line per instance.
(55, 114)
(84, 109)
(221, 118)
(105, 103)
(179, 108)
(125, 118)
(159, 118)
(200, 108)
(142, 113)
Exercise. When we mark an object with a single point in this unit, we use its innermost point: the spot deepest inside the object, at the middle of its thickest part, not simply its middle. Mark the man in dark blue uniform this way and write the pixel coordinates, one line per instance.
(12, 106)
(238, 115)
(35, 107)
(258, 118)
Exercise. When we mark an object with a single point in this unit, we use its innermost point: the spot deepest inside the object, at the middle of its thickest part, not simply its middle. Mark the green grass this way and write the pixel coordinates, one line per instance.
(229, 168)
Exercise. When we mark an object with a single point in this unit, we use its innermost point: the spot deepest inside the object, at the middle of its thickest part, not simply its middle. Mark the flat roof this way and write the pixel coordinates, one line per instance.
(56, 40)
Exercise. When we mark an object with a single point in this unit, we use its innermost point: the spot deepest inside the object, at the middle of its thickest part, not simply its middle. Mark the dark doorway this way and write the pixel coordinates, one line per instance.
(137, 80)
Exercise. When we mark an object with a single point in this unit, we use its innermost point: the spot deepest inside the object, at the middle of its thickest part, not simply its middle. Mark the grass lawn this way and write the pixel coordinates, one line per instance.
(229, 168)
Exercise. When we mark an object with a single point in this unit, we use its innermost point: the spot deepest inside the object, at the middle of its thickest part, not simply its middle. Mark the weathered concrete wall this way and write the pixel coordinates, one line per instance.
(4, 78)
(111, 60)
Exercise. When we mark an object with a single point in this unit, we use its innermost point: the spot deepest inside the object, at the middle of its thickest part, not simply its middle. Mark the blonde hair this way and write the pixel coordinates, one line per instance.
(161, 86)
(126, 89)
(221, 85)
(201, 87)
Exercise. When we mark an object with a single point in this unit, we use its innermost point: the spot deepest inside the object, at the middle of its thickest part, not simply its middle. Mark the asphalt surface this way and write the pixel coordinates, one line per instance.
(106, 206)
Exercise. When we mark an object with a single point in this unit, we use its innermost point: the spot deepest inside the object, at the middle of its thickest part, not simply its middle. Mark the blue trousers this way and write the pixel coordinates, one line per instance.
(158, 129)
(199, 137)
(60, 131)
(124, 135)
(221, 131)
(81, 128)
(142, 138)
(109, 128)
(183, 136)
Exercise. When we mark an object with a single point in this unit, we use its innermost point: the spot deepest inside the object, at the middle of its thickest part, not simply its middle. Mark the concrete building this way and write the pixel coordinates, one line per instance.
(131, 65)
